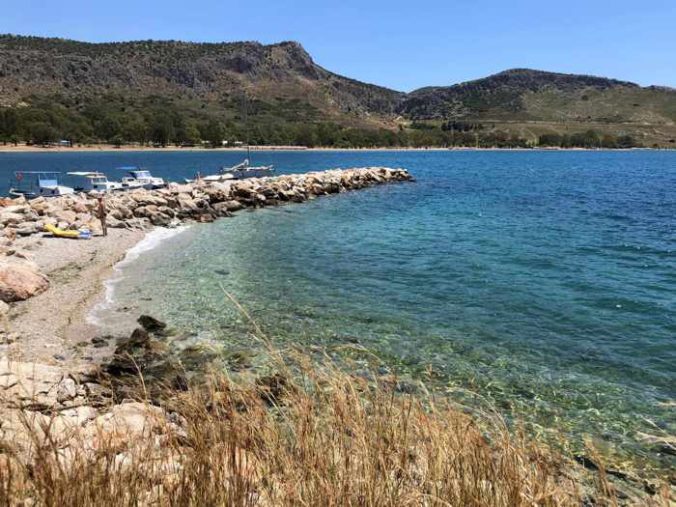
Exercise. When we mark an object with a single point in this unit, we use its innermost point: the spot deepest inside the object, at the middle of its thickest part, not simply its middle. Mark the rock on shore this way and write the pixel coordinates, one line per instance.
(20, 279)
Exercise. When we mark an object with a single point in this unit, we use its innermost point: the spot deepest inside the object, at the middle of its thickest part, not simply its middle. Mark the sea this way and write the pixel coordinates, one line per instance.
(539, 284)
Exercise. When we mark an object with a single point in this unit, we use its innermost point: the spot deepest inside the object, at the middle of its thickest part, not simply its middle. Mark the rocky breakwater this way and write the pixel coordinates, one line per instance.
(199, 201)
(204, 201)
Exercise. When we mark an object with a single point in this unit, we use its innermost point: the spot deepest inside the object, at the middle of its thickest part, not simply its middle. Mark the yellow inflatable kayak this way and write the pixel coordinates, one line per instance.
(60, 233)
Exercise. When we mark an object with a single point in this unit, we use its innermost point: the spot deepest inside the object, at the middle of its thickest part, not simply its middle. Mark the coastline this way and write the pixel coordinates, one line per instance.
(57, 325)
(53, 327)
(104, 300)
(108, 148)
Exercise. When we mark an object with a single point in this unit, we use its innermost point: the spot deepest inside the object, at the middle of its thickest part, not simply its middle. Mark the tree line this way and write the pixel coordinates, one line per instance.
(161, 121)
(588, 139)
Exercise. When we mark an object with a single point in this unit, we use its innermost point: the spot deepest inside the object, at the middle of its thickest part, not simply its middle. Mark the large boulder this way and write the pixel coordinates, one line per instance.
(231, 205)
(124, 212)
(186, 203)
(28, 384)
(20, 280)
(145, 198)
(160, 219)
(80, 207)
(11, 218)
(66, 215)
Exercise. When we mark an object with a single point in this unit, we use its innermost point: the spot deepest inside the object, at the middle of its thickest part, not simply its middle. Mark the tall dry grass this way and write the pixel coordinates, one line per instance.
(307, 434)
(315, 437)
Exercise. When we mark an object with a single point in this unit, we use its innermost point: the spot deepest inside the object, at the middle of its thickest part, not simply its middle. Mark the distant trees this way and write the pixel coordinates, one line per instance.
(161, 129)
(626, 141)
(588, 139)
(163, 120)
(461, 126)
(40, 132)
(8, 125)
(213, 132)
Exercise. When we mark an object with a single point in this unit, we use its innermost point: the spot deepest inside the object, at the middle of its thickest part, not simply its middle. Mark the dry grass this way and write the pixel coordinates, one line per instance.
(308, 434)
(323, 438)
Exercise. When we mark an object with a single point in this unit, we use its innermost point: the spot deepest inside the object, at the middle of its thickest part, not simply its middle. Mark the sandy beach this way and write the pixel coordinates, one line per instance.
(9, 148)
(52, 328)
(21, 148)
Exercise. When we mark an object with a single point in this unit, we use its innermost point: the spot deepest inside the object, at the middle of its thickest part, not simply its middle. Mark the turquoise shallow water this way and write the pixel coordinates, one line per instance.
(546, 281)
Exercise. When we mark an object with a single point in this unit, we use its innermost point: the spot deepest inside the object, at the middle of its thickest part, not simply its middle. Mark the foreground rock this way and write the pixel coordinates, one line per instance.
(20, 279)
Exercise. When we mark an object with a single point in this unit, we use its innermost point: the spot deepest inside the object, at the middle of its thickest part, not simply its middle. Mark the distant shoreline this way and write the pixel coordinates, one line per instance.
(138, 148)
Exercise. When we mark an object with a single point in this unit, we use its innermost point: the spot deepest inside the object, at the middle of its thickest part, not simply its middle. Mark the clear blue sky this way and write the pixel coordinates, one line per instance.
(400, 44)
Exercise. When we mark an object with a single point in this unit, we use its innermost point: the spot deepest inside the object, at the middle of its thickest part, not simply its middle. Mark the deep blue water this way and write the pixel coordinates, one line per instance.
(545, 281)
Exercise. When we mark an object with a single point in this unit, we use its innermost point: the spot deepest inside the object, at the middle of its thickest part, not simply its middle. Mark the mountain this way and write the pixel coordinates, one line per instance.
(172, 91)
(199, 71)
(525, 99)
(525, 94)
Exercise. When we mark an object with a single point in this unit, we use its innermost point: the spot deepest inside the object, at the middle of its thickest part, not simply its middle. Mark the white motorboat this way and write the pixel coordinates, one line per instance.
(94, 181)
(246, 170)
(32, 184)
(140, 178)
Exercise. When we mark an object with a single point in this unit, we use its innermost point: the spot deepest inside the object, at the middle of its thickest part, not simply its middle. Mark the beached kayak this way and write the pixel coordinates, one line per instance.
(60, 233)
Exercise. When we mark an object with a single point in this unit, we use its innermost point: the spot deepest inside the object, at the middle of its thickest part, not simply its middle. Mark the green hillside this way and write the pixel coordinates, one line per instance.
(529, 103)
(166, 92)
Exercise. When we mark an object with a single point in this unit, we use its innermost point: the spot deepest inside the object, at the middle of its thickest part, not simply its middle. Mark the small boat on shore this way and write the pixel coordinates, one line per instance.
(218, 177)
(94, 181)
(72, 234)
(138, 177)
(31, 184)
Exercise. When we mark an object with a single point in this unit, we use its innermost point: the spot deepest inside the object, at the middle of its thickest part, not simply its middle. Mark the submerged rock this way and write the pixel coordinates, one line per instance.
(151, 324)
(136, 354)
(143, 361)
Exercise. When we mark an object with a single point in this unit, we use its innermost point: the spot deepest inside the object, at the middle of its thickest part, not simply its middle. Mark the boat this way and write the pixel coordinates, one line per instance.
(94, 181)
(31, 184)
(211, 177)
(218, 177)
(138, 177)
(245, 170)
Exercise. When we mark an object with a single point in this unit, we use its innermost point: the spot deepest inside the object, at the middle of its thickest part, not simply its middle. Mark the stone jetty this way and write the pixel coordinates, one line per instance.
(200, 201)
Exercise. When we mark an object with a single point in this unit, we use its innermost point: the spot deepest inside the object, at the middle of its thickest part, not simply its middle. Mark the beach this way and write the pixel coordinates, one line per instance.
(57, 325)
(52, 327)
(103, 148)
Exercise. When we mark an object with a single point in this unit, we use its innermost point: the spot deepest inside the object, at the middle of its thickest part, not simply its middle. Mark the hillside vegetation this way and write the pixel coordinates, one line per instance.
(166, 92)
